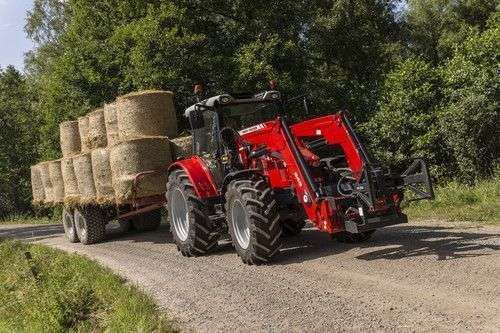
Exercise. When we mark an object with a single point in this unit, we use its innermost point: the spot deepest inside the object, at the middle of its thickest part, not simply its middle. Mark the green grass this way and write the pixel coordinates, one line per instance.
(55, 292)
(29, 219)
(457, 202)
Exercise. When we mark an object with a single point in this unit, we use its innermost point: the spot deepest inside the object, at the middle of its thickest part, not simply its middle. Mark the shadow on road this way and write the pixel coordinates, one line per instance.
(393, 243)
(397, 243)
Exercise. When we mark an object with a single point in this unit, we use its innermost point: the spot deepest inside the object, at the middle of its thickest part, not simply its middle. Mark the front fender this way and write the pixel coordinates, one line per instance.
(198, 174)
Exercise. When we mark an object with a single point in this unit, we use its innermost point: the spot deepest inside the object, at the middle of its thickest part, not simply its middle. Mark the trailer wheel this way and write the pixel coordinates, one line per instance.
(292, 227)
(90, 224)
(253, 220)
(148, 221)
(188, 216)
(68, 222)
(350, 238)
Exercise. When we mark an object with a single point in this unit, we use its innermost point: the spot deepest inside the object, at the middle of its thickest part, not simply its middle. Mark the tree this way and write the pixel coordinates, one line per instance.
(18, 139)
(406, 125)
(469, 117)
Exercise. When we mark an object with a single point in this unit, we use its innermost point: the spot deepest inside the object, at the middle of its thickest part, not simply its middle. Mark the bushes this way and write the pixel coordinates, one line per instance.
(447, 114)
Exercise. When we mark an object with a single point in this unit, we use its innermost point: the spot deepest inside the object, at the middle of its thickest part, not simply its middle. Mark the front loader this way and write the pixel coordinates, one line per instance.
(260, 180)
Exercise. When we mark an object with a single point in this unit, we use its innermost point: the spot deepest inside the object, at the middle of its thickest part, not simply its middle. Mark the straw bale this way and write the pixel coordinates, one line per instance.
(47, 184)
(57, 181)
(101, 169)
(146, 113)
(69, 137)
(111, 123)
(83, 129)
(82, 164)
(71, 194)
(97, 129)
(182, 147)
(37, 185)
(129, 158)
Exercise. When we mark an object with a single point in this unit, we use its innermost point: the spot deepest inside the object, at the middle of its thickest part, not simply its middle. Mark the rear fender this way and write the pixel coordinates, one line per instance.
(198, 174)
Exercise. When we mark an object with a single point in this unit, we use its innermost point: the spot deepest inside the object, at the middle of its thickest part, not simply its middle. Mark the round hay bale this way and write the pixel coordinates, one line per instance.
(82, 165)
(83, 129)
(69, 137)
(97, 129)
(37, 185)
(146, 113)
(129, 158)
(47, 184)
(111, 123)
(101, 169)
(182, 147)
(57, 181)
(71, 194)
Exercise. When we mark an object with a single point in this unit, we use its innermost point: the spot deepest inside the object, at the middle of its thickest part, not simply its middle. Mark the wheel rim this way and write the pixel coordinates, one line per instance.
(80, 225)
(68, 223)
(240, 224)
(180, 215)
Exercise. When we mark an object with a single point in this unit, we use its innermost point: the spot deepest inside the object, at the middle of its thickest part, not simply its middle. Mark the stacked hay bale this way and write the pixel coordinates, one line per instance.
(101, 171)
(145, 121)
(111, 123)
(69, 138)
(47, 184)
(82, 165)
(71, 193)
(113, 154)
(37, 185)
(146, 113)
(97, 129)
(132, 157)
(56, 181)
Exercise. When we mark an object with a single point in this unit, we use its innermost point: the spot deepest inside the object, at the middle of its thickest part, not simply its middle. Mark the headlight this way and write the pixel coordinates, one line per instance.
(275, 95)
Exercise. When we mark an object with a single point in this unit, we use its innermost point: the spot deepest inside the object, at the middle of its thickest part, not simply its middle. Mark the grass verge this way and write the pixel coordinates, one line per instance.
(457, 202)
(48, 290)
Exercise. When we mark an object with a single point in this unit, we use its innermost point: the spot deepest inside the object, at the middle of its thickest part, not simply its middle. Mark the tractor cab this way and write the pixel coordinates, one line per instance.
(226, 114)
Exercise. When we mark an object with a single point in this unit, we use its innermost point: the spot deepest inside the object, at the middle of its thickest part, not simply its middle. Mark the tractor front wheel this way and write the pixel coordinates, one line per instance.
(193, 231)
(253, 220)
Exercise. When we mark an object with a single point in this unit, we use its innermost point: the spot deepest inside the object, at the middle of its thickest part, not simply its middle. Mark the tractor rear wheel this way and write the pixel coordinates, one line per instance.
(253, 220)
(350, 238)
(90, 224)
(68, 222)
(193, 231)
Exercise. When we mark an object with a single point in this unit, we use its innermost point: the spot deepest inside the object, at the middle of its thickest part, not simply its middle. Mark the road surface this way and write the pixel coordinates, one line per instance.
(421, 277)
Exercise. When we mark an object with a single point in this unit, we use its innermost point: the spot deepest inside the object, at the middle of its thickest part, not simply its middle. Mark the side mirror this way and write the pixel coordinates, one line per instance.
(196, 119)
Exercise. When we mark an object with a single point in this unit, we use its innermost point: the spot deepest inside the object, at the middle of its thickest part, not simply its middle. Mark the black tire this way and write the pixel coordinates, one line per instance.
(68, 222)
(147, 221)
(90, 224)
(253, 200)
(292, 227)
(350, 238)
(193, 231)
(125, 225)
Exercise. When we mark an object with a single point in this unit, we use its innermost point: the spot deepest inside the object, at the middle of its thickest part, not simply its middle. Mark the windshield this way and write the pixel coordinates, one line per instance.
(205, 138)
(245, 115)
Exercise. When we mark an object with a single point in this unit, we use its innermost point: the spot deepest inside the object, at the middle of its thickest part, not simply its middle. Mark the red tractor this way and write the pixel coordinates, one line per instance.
(258, 180)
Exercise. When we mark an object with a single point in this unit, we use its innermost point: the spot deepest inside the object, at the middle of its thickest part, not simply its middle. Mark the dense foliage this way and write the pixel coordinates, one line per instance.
(419, 77)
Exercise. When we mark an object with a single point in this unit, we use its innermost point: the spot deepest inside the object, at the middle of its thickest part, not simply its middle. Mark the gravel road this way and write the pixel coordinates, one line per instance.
(420, 277)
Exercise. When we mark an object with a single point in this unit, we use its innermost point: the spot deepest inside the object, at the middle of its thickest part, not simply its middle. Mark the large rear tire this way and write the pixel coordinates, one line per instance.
(68, 222)
(253, 220)
(193, 231)
(90, 224)
(148, 221)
